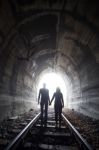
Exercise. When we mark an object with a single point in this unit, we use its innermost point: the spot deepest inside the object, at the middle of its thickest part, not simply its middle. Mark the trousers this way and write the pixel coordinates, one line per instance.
(44, 113)
(58, 111)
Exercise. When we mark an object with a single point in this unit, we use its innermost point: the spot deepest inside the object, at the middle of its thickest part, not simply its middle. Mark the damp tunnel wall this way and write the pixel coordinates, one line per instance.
(63, 37)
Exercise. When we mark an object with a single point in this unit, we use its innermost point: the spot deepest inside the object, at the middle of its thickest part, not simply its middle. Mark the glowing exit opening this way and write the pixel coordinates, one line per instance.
(53, 81)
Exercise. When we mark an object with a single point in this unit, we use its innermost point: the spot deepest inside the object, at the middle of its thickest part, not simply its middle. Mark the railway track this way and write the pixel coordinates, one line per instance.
(37, 137)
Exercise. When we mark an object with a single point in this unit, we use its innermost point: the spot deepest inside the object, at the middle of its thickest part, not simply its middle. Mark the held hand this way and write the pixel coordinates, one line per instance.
(49, 103)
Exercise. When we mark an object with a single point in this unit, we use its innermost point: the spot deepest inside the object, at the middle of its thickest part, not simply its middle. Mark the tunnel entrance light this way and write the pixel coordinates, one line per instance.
(53, 81)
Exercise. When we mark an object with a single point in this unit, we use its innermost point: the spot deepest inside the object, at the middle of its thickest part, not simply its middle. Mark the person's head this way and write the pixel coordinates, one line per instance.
(44, 85)
(57, 89)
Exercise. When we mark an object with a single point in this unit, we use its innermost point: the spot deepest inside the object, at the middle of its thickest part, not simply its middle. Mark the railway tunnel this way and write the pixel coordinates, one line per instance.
(49, 37)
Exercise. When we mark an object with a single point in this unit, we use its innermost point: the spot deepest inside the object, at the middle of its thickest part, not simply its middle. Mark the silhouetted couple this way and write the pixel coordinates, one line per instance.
(44, 100)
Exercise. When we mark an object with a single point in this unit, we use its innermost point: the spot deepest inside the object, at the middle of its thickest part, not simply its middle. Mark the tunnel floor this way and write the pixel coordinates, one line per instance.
(88, 127)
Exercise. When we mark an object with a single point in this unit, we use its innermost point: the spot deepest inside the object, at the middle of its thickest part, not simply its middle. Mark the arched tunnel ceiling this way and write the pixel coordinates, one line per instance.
(44, 36)
(33, 39)
(59, 35)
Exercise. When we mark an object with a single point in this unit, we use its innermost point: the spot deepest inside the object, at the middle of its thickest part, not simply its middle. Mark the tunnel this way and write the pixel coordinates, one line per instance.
(43, 37)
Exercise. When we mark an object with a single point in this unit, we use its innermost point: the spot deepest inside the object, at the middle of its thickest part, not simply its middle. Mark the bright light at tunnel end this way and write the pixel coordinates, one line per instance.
(53, 81)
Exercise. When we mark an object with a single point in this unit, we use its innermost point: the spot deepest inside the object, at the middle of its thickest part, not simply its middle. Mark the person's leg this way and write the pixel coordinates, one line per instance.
(60, 117)
(42, 113)
(46, 112)
(56, 115)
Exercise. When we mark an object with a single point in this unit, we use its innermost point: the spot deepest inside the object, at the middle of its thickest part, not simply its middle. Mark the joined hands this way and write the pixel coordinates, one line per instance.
(49, 103)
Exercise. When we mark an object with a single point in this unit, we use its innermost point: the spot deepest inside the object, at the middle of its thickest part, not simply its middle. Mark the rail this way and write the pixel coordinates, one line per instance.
(75, 132)
(21, 135)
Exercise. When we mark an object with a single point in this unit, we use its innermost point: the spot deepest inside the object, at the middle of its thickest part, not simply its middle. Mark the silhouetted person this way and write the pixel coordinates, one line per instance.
(59, 103)
(43, 98)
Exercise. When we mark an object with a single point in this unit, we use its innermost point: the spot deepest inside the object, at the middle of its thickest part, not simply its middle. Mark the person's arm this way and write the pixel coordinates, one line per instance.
(62, 101)
(39, 96)
(49, 98)
(52, 98)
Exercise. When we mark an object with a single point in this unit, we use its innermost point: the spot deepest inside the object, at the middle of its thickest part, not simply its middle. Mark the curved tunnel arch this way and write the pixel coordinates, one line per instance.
(74, 57)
